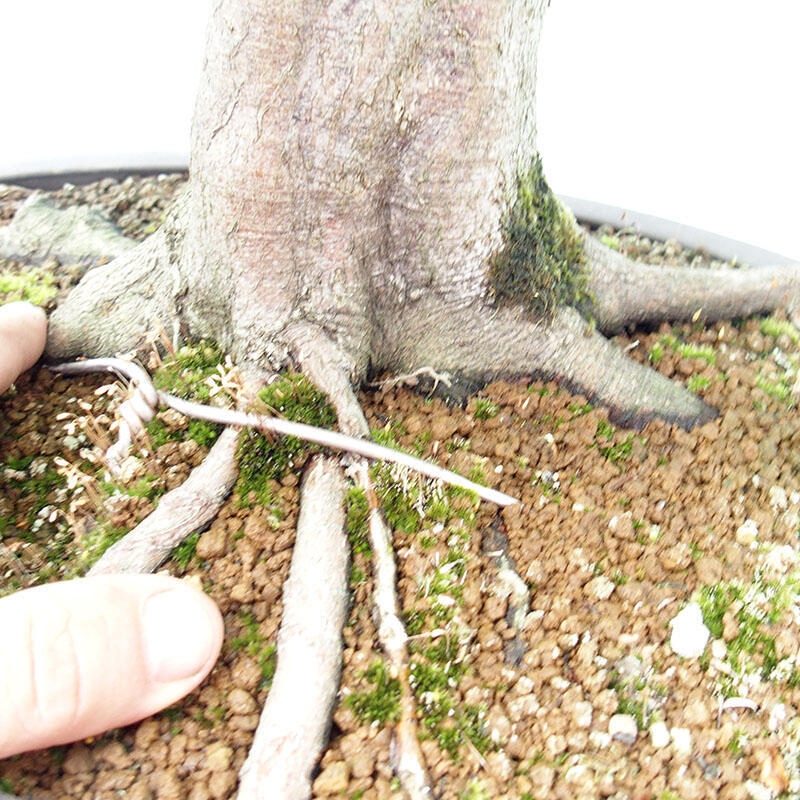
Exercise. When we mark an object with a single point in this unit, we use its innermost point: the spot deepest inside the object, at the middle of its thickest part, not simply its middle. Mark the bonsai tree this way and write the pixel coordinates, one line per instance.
(366, 195)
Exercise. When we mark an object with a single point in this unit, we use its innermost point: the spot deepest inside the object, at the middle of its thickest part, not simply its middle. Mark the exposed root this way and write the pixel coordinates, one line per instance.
(116, 306)
(485, 343)
(628, 293)
(407, 758)
(412, 379)
(294, 723)
(323, 362)
(180, 512)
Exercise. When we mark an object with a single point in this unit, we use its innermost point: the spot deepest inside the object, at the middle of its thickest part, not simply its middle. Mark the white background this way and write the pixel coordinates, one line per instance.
(686, 109)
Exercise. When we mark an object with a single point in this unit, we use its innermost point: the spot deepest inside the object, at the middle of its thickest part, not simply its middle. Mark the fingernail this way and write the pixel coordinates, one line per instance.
(180, 633)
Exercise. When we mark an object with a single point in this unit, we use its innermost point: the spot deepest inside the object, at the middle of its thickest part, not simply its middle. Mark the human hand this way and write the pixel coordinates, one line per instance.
(23, 330)
(82, 656)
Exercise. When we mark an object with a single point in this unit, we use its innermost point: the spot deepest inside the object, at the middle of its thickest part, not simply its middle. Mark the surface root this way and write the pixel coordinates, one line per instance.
(627, 293)
(294, 724)
(185, 509)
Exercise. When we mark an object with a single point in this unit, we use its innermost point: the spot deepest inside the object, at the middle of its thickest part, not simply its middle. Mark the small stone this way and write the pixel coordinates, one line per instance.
(582, 714)
(521, 708)
(681, 741)
(79, 759)
(623, 728)
(599, 588)
(659, 735)
(241, 702)
(218, 757)
(361, 764)
(333, 779)
(709, 570)
(758, 791)
(677, 557)
(777, 716)
(541, 777)
(689, 635)
(221, 784)
(212, 543)
(747, 533)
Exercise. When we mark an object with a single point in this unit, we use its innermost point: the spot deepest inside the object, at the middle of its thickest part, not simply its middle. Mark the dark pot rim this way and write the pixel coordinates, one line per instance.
(717, 246)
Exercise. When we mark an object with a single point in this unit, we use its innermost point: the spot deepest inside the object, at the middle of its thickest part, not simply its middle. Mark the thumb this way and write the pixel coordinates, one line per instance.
(83, 656)
(23, 330)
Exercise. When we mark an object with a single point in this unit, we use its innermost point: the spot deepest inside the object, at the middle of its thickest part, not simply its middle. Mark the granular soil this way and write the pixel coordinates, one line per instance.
(579, 694)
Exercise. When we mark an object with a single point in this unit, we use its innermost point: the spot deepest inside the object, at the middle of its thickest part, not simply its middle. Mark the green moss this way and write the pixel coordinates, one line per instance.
(541, 264)
(770, 326)
(184, 552)
(703, 352)
(756, 608)
(736, 745)
(186, 373)
(485, 409)
(608, 444)
(147, 487)
(256, 646)
(610, 241)
(779, 388)
(262, 460)
(451, 725)
(357, 524)
(35, 477)
(656, 352)
(698, 383)
(381, 704)
(95, 543)
(34, 285)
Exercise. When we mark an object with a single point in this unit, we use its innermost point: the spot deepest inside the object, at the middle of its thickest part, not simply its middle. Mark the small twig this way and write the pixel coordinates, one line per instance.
(146, 399)
(412, 379)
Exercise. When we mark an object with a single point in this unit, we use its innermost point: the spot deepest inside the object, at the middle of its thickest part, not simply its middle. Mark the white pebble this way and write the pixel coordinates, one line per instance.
(599, 739)
(689, 635)
(623, 728)
(681, 741)
(758, 791)
(777, 716)
(659, 734)
(599, 588)
(780, 559)
(747, 533)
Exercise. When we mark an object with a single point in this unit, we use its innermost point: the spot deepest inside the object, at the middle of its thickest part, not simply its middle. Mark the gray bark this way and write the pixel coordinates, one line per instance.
(628, 294)
(180, 512)
(294, 723)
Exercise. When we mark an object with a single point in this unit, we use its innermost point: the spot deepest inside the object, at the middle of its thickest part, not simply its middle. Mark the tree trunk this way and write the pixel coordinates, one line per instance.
(347, 161)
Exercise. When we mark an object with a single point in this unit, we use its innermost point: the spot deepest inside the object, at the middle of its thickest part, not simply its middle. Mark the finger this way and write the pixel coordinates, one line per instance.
(83, 656)
(23, 331)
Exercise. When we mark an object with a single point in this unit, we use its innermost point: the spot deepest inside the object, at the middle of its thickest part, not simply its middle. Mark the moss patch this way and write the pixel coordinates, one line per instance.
(381, 703)
(263, 460)
(541, 264)
(34, 285)
(187, 375)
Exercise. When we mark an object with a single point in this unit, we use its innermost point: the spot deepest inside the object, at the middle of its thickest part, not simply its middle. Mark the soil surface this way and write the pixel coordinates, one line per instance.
(567, 685)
